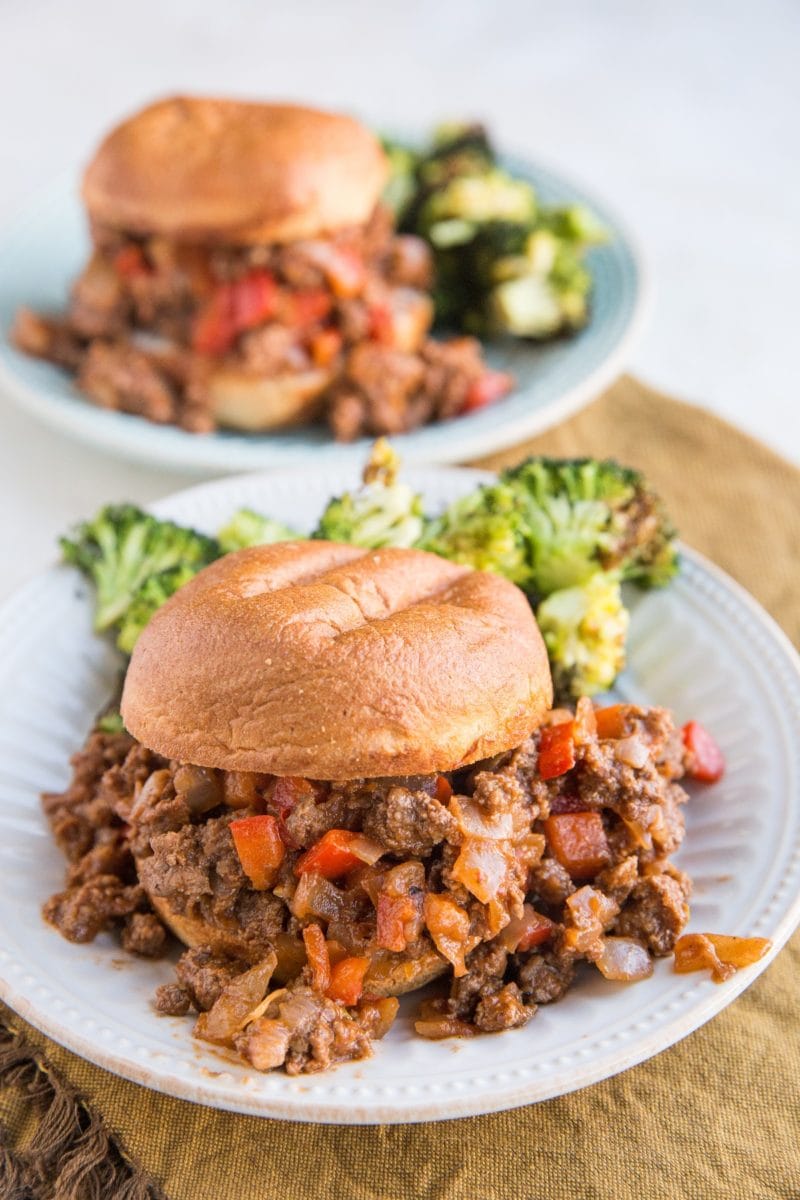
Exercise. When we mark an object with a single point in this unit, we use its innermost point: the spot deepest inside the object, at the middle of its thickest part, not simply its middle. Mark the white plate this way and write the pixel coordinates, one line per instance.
(702, 647)
(43, 251)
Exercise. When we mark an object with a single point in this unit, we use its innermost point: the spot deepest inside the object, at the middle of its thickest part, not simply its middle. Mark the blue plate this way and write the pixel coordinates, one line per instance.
(43, 252)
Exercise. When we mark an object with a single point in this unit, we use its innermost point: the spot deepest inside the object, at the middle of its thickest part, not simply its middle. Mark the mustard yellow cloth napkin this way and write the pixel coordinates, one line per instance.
(717, 1116)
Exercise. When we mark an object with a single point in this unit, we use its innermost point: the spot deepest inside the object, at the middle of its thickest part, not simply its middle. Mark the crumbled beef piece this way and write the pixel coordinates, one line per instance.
(549, 882)
(172, 1000)
(156, 810)
(408, 822)
(450, 370)
(203, 973)
(309, 818)
(77, 815)
(144, 934)
(49, 338)
(297, 265)
(668, 828)
(619, 881)
(656, 913)
(347, 413)
(119, 376)
(273, 350)
(502, 1010)
(486, 967)
(354, 320)
(320, 1032)
(197, 871)
(409, 262)
(388, 379)
(110, 856)
(120, 784)
(543, 978)
(80, 913)
(521, 765)
(98, 306)
(657, 727)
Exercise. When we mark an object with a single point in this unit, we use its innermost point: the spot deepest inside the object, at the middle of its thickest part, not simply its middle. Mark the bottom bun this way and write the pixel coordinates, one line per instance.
(240, 400)
(389, 974)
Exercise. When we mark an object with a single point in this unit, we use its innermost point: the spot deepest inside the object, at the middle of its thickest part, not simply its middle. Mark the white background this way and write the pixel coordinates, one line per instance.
(683, 115)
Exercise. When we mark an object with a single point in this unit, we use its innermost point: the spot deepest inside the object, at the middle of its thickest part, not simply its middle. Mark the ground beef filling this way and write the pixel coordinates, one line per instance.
(349, 314)
(494, 880)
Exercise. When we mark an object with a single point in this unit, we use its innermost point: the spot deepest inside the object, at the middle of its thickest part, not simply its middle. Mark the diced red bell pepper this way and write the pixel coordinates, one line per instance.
(612, 722)
(330, 856)
(527, 931)
(130, 261)
(536, 935)
(260, 848)
(487, 388)
(393, 912)
(706, 763)
(443, 789)
(381, 324)
(233, 308)
(214, 329)
(556, 750)
(578, 840)
(318, 957)
(253, 300)
(347, 980)
(306, 307)
(325, 345)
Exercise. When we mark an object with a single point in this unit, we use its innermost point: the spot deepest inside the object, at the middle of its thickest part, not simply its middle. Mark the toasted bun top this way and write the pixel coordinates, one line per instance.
(200, 169)
(332, 662)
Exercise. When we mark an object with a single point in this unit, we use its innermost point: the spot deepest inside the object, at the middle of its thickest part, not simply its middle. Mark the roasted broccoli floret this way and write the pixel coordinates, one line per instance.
(584, 629)
(492, 195)
(154, 592)
(505, 264)
(551, 524)
(485, 529)
(583, 515)
(249, 528)
(111, 721)
(402, 183)
(123, 546)
(383, 512)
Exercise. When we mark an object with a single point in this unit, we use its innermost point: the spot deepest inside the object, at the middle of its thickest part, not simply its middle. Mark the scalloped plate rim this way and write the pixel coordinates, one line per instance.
(710, 998)
(135, 440)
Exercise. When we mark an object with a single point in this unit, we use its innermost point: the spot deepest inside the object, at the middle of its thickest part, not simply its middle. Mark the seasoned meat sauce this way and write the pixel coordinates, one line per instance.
(494, 878)
(354, 305)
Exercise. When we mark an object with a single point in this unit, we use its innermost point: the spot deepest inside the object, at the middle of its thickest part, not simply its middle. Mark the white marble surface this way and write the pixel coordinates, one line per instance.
(682, 115)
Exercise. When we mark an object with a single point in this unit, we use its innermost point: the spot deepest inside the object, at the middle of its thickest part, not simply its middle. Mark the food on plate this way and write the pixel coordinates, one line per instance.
(245, 274)
(339, 780)
(718, 953)
(569, 531)
(505, 263)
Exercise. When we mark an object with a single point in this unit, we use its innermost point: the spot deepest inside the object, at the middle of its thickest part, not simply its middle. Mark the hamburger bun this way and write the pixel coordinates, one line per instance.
(195, 168)
(388, 975)
(334, 662)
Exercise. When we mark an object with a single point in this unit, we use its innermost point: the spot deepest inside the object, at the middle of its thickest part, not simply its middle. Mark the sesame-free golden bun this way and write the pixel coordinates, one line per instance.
(201, 169)
(333, 662)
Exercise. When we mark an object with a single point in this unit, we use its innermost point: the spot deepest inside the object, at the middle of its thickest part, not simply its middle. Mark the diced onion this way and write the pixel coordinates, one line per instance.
(624, 960)
(316, 896)
(481, 867)
(437, 1028)
(475, 822)
(632, 751)
(365, 848)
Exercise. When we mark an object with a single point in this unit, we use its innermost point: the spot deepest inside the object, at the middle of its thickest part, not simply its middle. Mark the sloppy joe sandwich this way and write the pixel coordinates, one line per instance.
(341, 781)
(244, 273)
